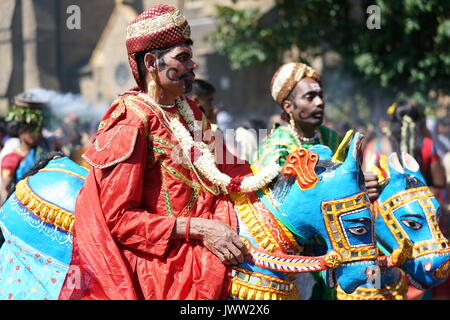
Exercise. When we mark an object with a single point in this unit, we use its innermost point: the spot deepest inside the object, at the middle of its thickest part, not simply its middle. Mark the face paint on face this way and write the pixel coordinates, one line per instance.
(315, 86)
(177, 76)
(308, 104)
(174, 71)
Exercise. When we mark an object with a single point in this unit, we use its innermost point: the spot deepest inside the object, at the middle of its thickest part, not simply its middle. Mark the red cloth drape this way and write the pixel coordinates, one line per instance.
(126, 211)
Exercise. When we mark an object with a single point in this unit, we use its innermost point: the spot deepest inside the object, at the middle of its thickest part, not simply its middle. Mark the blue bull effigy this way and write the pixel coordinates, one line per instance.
(275, 222)
(318, 194)
(37, 221)
(407, 231)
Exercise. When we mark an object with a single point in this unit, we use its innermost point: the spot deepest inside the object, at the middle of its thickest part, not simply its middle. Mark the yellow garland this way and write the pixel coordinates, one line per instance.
(42, 209)
(396, 291)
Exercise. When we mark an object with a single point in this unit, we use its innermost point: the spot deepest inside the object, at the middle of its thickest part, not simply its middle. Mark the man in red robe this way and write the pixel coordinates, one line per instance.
(149, 226)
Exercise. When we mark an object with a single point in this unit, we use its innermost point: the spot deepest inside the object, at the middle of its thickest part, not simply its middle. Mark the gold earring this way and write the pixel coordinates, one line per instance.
(291, 120)
(151, 88)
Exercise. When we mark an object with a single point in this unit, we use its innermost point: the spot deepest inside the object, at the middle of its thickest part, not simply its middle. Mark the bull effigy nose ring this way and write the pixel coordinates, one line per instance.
(333, 259)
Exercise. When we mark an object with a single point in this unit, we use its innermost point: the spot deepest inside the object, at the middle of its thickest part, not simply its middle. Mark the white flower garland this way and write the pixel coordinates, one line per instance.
(206, 162)
(207, 167)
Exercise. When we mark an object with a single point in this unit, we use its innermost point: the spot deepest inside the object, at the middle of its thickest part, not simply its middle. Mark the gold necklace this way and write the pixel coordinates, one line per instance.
(300, 140)
(168, 106)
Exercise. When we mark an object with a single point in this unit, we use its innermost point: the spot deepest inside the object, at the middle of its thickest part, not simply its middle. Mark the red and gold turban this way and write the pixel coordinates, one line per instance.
(161, 26)
(286, 78)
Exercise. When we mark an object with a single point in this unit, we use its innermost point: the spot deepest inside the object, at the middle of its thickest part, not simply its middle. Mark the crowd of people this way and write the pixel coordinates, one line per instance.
(150, 215)
(26, 135)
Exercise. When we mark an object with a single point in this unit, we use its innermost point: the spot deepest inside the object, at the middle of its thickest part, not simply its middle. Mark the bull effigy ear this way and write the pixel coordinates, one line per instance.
(409, 163)
(341, 152)
(302, 164)
(394, 163)
(412, 169)
(353, 159)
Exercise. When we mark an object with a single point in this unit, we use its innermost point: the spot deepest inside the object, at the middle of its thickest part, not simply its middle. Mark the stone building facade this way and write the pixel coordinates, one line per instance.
(41, 45)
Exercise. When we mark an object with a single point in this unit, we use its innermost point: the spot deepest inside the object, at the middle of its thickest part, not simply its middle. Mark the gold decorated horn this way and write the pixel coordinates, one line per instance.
(341, 152)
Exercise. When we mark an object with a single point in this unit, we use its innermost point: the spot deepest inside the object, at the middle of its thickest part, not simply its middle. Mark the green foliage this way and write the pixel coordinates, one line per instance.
(233, 31)
(31, 116)
(408, 57)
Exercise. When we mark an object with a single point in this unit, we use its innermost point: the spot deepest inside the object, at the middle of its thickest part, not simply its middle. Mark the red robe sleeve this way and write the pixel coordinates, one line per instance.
(119, 156)
(121, 188)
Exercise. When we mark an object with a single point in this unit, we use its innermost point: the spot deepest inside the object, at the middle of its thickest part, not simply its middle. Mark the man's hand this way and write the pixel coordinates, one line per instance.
(221, 240)
(372, 186)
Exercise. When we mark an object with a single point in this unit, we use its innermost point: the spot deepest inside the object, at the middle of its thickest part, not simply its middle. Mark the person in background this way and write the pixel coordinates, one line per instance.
(407, 132)
(297, 89)
(440, 132)
(203, 95)
(10, 143)
(25, 120)
(248, 136)
(3, 133)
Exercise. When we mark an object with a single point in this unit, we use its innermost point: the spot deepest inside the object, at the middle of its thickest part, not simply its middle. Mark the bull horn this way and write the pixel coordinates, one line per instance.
(341, 152)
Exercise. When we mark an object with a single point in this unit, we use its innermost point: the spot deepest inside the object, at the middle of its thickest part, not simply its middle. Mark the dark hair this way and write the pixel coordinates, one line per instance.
(399, 135)
(15, 128)
(405, 108)
(202, 88)
(159, 54)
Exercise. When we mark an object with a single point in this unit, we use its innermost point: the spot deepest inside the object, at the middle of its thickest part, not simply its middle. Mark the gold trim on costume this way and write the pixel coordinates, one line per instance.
(250, 217)
(438, 243)
(131, 104)
(42, 209)
(154, 25)
(396, 291)
(332, 210)
(178, 175)
(258, 227)
(251, 285)
(114, 162)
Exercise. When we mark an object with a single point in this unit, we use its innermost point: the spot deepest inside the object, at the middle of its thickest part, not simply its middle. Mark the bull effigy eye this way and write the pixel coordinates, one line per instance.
(358, 231)
(412, 224)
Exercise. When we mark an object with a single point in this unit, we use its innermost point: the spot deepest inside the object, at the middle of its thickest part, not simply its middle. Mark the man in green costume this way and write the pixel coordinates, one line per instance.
(297, 88)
